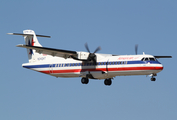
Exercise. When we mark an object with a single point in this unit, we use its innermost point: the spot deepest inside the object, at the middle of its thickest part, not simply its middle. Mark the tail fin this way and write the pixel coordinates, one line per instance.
(31, 40)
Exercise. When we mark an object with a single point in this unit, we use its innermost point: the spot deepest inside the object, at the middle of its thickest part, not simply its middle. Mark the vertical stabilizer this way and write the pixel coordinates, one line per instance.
(31, 40)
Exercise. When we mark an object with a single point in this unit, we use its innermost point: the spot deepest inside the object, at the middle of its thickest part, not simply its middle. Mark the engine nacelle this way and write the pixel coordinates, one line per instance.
(83, 55)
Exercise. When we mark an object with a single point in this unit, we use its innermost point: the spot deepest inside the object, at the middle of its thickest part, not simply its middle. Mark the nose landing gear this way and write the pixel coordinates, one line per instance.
(153, 78)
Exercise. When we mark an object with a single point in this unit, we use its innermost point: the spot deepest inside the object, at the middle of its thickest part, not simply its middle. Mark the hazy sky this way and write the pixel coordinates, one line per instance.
(114, 25)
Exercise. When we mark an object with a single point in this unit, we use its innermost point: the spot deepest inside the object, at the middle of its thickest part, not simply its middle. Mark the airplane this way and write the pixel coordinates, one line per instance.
(87, 65)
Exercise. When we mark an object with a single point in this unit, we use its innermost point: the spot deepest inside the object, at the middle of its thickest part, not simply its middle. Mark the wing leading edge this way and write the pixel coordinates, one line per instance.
(51, 51)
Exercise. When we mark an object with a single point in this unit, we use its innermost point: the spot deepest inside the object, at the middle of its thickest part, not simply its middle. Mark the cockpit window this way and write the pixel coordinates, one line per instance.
(152, 59)
(148, 59)
(142, 59)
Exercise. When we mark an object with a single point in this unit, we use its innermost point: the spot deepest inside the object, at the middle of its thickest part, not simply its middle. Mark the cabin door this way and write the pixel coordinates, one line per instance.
(50, 68)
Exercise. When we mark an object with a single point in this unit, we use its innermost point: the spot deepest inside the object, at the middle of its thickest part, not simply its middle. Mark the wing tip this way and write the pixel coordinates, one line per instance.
(9, 33)
(20, 45)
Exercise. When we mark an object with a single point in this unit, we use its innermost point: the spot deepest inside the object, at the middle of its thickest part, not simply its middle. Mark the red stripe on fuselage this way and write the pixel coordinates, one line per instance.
(102, 69)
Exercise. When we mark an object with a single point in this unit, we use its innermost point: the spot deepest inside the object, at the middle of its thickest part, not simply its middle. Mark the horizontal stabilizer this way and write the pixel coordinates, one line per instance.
(163, 56)
(28, 35)
(51, 51)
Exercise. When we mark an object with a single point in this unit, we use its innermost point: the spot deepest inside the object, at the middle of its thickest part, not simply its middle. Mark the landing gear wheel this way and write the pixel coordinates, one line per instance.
(108, 82)
(153, 79)
(84, 80)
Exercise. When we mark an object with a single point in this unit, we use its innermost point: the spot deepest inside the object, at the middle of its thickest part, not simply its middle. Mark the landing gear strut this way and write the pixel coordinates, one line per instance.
(84, 80)
(153, 78)
(108, 82)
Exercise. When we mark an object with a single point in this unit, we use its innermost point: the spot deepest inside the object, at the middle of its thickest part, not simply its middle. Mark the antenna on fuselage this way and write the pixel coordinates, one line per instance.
(136, 49)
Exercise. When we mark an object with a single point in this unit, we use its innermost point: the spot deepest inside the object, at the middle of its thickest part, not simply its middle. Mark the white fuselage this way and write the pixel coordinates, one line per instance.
(107, 66)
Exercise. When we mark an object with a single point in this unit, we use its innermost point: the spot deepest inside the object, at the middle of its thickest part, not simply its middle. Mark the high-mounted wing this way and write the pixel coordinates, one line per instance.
(163, 56)
(51, 51)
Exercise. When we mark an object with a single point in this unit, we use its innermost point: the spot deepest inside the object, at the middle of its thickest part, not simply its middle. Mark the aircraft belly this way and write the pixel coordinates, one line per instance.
(129, 73)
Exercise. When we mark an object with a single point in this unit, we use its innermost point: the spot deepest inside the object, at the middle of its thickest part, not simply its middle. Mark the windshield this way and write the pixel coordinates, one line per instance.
(148, 59)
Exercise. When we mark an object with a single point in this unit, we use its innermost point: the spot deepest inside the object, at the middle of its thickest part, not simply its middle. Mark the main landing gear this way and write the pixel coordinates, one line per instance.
(107, 82)
(84, 80)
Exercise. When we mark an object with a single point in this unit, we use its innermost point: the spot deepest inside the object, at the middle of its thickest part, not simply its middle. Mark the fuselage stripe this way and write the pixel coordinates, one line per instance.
(98, 64)
(102, 69)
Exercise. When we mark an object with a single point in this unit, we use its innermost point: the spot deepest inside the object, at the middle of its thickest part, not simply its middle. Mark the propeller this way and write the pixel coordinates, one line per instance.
(92, 56)
(136, 49)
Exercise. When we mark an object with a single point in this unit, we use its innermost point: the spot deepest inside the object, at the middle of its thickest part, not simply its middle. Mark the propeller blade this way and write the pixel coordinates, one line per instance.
(91, 56)
(86, 46)
(98, 48)
(163, 56)
(136, 49)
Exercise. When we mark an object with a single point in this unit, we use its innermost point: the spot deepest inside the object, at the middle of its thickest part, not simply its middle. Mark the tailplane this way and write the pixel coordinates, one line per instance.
(31, 40)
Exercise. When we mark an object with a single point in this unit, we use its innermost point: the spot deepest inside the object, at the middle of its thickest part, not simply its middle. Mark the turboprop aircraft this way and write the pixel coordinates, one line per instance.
(87, 65)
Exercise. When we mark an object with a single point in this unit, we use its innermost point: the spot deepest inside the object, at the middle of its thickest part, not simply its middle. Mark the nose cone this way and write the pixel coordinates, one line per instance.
(161, 67)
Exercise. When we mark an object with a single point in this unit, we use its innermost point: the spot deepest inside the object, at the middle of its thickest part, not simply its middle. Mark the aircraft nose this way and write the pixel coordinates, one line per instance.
(160, 67)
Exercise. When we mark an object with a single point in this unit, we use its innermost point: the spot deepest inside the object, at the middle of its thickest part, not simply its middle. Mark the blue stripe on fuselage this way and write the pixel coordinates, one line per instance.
(36, 66)
(143, 62)
(53, 65)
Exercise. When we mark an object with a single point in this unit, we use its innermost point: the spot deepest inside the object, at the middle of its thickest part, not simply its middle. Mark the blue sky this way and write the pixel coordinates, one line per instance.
(114, 25)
